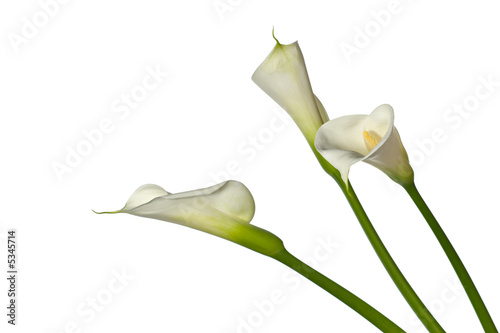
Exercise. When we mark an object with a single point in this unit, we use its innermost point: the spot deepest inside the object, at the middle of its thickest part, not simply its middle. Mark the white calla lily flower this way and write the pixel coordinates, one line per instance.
(369, 138)
(224, 210)
(283, 76)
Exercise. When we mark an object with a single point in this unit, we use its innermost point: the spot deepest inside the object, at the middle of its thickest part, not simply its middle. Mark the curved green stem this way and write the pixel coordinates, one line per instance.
(345, 296)
(396, 275)
(268, 244)
(458, 266)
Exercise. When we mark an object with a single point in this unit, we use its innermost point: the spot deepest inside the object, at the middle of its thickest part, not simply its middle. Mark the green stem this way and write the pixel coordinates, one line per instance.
(345, 296)
(396, 275)
(463, 275)
(268, 244)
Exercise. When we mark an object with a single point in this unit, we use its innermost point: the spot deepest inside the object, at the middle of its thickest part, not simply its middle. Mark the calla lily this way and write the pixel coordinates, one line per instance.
(224, 210)
(369, 138)
(283, 76)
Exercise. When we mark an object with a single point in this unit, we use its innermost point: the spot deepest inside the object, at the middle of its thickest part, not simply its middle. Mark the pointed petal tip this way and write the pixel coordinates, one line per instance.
(111, 212)
(345, 176)
(276, 39)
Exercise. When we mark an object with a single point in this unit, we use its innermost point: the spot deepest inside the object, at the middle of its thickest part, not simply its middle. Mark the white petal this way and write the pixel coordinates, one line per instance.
(391, 158)
(224, 210)
(217, 209)
(341, 142)
(337, 141)
(389, 155)
(144, 194)
(230, 198)
(283, 76)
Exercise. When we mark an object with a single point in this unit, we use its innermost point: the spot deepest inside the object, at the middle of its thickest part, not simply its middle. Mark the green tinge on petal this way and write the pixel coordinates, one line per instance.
(341, 160)
(113, 212)
(224, 210)
(283, 76)
(322, 110)
(392, 159)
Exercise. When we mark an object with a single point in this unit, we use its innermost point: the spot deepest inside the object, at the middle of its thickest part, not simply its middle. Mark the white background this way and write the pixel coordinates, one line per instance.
(70, 73)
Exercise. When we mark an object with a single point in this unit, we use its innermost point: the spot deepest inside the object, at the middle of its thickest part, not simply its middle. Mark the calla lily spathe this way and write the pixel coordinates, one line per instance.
(224, 210)
(283, 76)
(369, 138)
